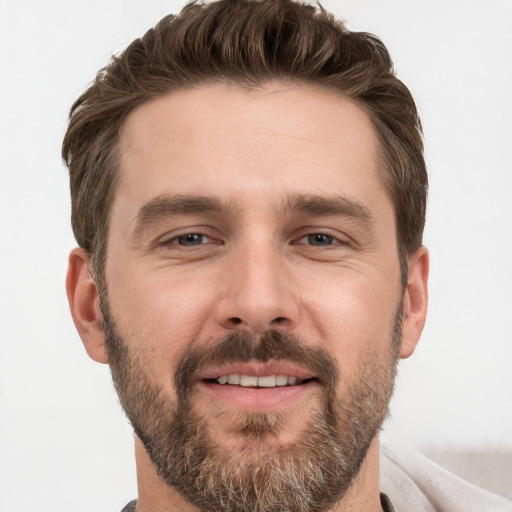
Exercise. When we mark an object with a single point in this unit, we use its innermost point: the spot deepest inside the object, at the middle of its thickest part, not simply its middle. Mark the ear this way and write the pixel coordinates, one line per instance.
(84, 303)
(415, 301)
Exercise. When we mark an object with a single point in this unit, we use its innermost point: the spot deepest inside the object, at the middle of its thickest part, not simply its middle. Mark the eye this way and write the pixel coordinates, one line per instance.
(191, 239)
(318, 239)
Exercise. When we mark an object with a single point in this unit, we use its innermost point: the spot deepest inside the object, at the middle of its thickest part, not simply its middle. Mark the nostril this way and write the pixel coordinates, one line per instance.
(236, 320)
(278, 320)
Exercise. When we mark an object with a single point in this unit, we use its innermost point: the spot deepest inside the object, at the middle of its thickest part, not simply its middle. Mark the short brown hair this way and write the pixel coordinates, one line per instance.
(249, 43)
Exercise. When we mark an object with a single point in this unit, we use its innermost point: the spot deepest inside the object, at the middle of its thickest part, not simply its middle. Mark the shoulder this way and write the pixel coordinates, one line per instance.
(413, 482)
(130, 507)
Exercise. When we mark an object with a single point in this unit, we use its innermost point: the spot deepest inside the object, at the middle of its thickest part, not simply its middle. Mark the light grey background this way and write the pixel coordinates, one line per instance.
(65, 445)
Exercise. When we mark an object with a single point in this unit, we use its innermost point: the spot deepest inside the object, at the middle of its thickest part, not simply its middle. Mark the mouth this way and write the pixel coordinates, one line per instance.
(265, 381)
(256, 386)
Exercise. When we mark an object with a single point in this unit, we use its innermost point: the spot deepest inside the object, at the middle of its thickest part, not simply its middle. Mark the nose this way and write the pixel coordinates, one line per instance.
(258, 293)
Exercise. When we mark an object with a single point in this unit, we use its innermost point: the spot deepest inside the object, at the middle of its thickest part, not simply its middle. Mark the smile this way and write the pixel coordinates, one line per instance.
(257, 386)
(251, 381)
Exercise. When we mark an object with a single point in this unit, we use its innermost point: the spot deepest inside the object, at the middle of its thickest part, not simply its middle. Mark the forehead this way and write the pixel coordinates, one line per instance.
(226, 141)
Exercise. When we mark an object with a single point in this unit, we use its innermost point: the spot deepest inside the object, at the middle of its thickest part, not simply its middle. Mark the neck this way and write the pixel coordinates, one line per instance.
(155, 494)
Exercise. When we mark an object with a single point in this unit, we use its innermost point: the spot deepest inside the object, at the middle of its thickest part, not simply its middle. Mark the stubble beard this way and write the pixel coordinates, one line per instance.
(312, 475)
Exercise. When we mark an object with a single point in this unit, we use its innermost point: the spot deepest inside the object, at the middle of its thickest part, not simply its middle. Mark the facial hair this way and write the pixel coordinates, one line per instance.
(312, 475)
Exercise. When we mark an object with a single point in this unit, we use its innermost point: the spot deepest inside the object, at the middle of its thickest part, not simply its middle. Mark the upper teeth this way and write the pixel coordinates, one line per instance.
(268, 381)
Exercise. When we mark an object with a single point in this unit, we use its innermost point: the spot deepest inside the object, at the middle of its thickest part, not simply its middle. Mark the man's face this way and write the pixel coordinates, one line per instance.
(252, 240)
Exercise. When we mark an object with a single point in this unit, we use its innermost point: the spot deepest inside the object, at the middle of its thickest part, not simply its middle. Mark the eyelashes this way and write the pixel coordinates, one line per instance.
(321, 239)
(198, 238)
(190, 239)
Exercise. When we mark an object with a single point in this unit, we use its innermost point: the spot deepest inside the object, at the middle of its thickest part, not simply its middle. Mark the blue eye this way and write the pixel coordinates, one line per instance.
(317, 239)
(191, 239)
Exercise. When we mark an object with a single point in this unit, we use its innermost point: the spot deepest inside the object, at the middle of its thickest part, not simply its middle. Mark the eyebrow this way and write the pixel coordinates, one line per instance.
(330, 206)
(166, 206)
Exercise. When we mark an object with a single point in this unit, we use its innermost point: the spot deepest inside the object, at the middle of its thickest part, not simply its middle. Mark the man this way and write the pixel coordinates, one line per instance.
(248, 194)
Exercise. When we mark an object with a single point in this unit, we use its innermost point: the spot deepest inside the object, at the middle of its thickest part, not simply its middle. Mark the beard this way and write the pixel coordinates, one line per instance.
(311, 475)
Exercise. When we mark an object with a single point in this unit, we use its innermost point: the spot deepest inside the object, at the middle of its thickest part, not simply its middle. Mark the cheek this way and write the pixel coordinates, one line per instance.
(159, 315)
(353, 317)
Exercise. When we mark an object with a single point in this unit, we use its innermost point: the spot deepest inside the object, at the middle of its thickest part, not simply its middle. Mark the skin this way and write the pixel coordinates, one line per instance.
(256, 267)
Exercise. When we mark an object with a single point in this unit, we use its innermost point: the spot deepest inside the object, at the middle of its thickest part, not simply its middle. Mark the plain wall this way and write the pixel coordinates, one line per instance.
(65, 445)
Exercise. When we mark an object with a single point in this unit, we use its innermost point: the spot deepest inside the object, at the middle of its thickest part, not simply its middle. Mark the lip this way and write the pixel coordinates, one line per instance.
(257, 399)
(256, 369)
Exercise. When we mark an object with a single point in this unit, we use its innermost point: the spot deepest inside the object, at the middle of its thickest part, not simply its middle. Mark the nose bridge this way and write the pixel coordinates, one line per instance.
(258, 294)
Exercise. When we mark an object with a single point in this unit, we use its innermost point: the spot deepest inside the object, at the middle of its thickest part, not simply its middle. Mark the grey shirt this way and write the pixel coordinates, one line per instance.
(384, 500)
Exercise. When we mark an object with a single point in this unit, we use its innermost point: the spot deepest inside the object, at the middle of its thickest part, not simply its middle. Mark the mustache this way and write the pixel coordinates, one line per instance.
(242, 347)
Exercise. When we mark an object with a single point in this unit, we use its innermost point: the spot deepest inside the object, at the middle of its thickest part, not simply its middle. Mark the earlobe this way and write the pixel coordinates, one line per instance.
(84, 303)
(415, 301)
